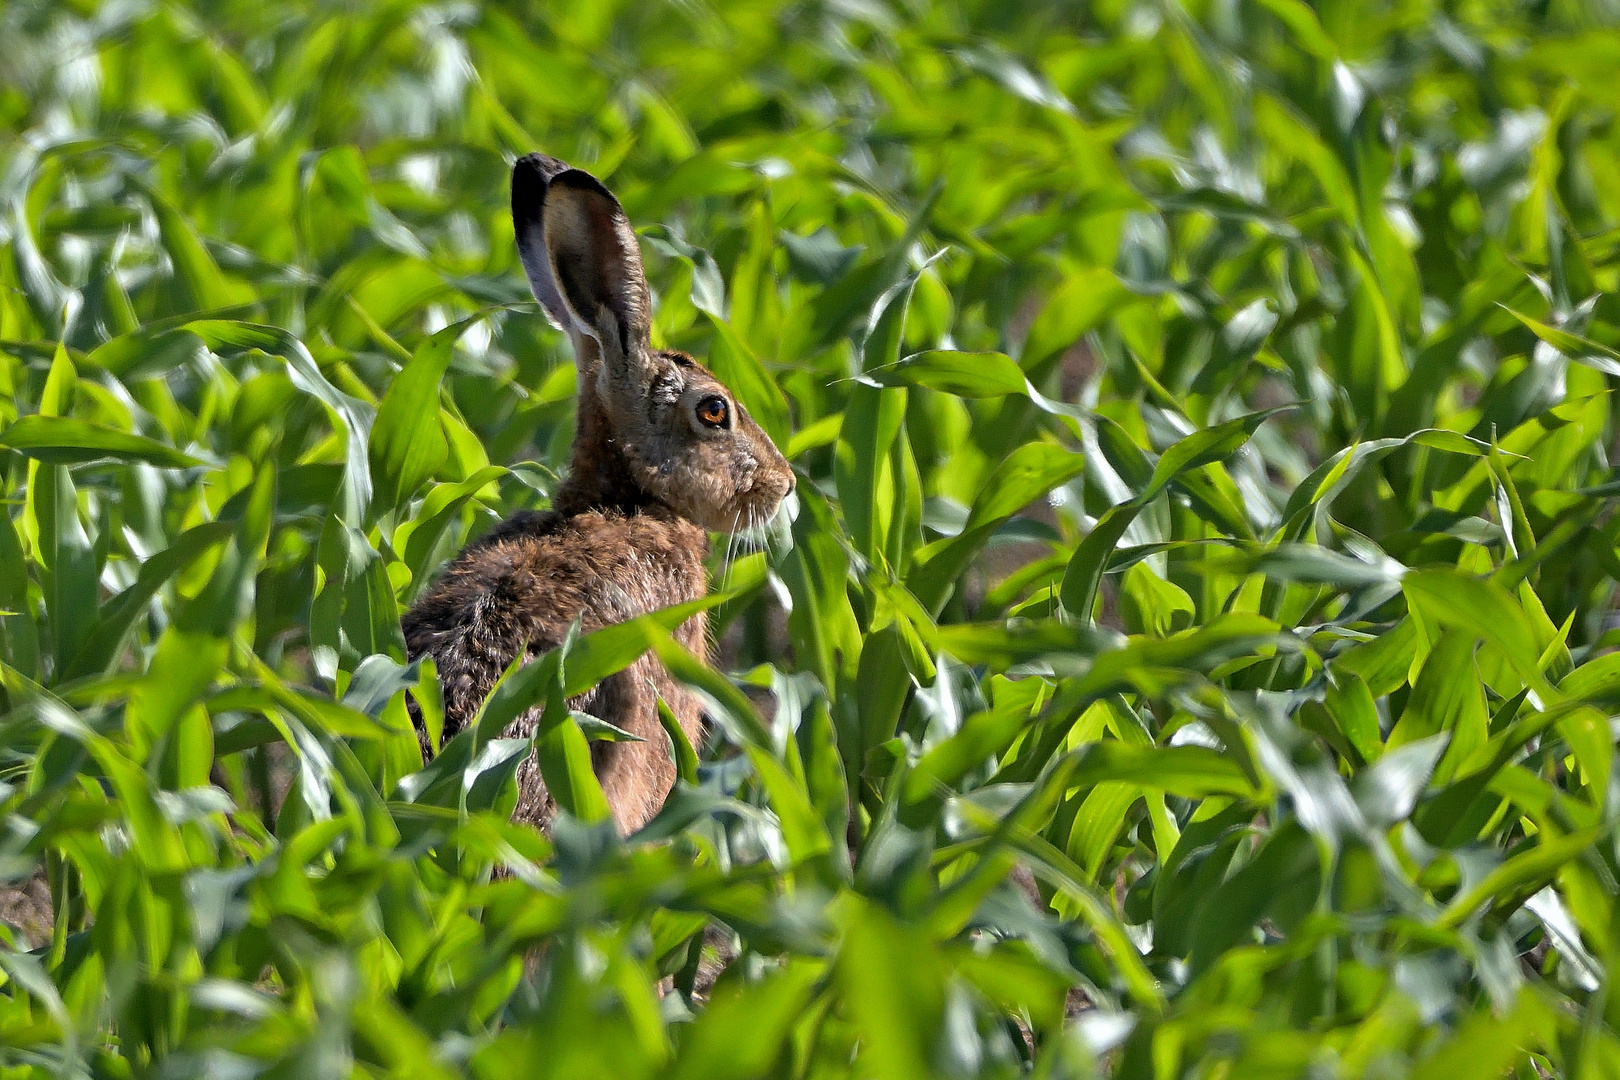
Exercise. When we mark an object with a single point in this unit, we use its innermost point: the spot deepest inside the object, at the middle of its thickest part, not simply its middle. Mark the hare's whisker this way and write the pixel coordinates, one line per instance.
(729, 553)
(769, 532)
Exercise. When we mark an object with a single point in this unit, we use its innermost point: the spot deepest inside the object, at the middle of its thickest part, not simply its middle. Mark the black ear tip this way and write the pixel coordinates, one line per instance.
(530, 177)
(534, 174)
(539, 168)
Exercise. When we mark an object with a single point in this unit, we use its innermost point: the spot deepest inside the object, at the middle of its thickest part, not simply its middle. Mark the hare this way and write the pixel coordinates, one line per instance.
(662, 455)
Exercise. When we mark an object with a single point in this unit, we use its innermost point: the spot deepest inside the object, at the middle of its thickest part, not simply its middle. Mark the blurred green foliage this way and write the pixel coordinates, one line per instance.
(1203, 417)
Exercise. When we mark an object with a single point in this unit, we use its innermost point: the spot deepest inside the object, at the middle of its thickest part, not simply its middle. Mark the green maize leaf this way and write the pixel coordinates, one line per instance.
(1085, 570)
(740, 1035)
(801, 827)
(1469, 604)
(1078, 306)
(1283, 873)
(886, 977)
(969, 375)
(407, 445)
(1447, 697)
(1026, 474)
(357, 416)
(60, 440)
(1190, 771)
(1573, 346)
(1074, 719)
(206, 286)
(120, 613)
(565, 761)
(686, 759)
(1526, 872)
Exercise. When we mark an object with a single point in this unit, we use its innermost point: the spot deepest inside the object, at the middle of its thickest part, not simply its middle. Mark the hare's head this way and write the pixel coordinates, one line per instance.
(684, 438)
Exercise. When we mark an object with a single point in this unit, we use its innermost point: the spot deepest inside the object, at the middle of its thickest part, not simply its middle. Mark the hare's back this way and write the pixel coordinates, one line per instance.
(607, 566)
(524, 584)
(539, 572)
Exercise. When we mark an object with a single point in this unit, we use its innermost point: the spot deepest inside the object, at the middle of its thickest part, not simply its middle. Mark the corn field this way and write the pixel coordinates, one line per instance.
(1193, 653)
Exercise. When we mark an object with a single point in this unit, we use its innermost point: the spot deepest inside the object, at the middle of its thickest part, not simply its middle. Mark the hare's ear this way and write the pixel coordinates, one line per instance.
(530, 178)
(582, 258)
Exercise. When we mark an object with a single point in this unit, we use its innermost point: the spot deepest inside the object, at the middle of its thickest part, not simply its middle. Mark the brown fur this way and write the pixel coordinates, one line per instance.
(627, 532)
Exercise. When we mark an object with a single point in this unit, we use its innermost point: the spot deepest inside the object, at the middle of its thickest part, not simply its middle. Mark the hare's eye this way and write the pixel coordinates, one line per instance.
(714, 411)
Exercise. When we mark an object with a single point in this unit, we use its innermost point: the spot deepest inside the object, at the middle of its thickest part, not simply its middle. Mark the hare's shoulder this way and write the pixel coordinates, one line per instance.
(611, 565)
(542, 570)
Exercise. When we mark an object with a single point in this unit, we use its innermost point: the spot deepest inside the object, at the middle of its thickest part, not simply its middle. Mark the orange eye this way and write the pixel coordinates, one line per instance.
(713, 411)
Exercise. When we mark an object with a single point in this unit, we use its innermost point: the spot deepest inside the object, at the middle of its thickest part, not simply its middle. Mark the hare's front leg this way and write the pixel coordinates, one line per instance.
(635, 776)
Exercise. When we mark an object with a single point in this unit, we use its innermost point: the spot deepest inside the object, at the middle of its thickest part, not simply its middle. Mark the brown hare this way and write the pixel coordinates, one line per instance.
(662, 454)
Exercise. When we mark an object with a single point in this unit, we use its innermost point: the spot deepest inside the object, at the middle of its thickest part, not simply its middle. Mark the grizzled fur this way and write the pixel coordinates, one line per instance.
(628, 530)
